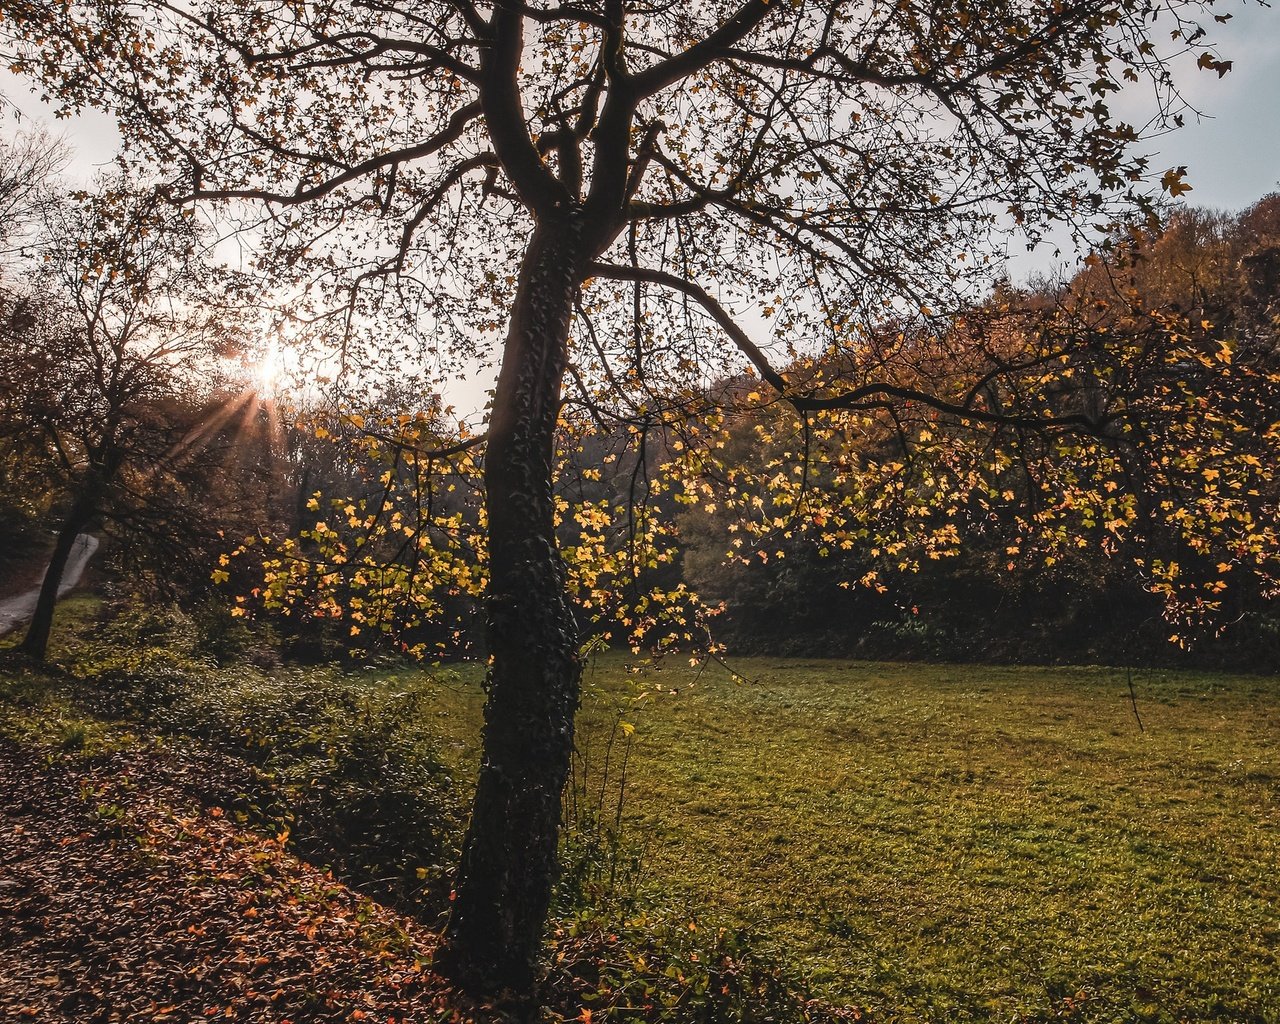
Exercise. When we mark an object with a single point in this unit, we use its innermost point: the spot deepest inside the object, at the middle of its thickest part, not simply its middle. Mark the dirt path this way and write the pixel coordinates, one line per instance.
(16, 610)
(117, 904)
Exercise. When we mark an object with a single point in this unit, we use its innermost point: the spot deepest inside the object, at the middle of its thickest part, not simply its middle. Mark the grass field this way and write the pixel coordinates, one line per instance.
(944, 843)
(958, 842)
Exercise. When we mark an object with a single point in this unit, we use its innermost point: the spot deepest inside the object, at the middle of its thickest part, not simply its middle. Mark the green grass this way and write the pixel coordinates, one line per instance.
(965, 843)
(37, 707)
(951, 843)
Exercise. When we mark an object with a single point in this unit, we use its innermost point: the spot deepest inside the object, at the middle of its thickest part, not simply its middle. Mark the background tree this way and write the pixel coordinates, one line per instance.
(388, 538)
(116, 340)
(28, 163)
(1168, 507)
(605, 183)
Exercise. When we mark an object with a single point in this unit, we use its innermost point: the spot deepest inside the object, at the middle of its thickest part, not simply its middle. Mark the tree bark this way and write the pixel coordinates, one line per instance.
(36, 641)
(508, 867)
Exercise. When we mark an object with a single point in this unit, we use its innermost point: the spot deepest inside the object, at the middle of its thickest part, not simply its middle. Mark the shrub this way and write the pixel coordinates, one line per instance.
(347, 773)
(340, 766)
(228, 639)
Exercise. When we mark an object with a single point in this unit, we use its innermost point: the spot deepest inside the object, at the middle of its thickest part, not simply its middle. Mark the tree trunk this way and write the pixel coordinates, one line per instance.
(508, 868)
(36, 641)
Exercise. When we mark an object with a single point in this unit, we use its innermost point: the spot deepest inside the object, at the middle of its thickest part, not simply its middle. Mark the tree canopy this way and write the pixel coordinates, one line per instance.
(810, 162)
(108, 371)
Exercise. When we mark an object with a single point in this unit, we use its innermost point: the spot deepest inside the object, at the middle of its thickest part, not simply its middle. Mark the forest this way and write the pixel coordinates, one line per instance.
(812, 621)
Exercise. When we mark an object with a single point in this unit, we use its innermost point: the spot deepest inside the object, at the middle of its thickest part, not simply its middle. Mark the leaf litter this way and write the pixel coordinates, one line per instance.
(125, 898)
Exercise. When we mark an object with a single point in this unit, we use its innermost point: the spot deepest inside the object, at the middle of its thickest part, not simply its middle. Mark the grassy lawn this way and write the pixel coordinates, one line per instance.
(958, 842)
(974, 841)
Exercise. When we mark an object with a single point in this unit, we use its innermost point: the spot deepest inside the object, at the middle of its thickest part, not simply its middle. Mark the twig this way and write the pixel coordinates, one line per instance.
(1133, 699)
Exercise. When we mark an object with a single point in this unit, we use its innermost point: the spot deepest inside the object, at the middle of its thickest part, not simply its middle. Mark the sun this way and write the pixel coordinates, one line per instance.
(268, 370)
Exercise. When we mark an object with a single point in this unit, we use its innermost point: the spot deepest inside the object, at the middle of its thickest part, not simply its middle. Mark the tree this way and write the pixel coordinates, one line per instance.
(388, 542)
(606, 184)
(28, 163)
(110, 348)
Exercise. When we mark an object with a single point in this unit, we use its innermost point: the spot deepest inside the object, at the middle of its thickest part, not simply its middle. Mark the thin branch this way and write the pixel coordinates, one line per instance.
(452, 131)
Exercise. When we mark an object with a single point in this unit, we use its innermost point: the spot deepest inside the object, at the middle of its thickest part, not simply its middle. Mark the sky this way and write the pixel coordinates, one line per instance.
(1233, 153)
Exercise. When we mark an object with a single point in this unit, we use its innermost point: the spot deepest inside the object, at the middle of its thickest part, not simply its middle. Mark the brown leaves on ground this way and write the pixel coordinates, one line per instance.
(122, 900)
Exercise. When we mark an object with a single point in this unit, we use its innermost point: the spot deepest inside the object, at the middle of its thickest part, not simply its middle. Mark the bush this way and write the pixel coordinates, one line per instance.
(228, 639)
(20, 533)
(341, 767)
